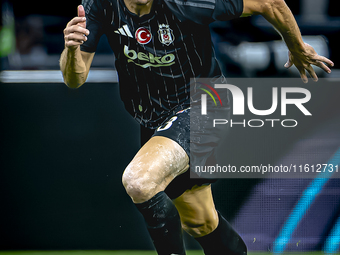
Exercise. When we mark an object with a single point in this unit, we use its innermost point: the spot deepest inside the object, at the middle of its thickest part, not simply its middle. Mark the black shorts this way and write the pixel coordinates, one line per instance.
(177, 128)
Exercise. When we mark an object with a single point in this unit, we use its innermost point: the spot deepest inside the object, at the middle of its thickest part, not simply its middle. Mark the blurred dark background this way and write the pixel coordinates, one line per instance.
(39, 38)
(63, 151)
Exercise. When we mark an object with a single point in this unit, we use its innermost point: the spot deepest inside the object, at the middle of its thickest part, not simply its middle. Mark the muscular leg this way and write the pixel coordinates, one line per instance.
(197, 211)
(201, 220)
(156, 164)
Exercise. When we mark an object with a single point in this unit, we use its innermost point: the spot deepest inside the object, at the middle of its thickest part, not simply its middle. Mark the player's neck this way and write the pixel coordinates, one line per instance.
(139, 7)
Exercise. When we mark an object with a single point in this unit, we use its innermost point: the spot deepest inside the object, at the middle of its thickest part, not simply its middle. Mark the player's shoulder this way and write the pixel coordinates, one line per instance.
(197, 11)
(205, 11)
(94, 5)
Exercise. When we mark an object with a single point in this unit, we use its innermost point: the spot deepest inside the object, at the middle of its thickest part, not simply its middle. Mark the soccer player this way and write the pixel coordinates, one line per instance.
(159, 45)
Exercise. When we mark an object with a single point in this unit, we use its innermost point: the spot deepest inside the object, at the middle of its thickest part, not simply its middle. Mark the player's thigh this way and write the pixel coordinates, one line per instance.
(197, 211)
(155, 165)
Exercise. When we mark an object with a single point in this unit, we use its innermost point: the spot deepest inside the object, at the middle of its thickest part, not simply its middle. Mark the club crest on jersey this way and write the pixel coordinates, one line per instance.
(143, 36)
(165, 34)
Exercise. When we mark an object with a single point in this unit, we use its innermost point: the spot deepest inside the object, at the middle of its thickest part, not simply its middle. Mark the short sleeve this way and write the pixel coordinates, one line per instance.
(228, 9)
(94, 23)
(205, 11)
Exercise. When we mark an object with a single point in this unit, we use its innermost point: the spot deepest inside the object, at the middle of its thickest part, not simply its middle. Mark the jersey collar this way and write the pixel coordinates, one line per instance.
(143, 18)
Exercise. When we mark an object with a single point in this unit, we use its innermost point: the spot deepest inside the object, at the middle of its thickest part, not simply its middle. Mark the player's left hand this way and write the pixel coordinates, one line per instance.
(304, 61)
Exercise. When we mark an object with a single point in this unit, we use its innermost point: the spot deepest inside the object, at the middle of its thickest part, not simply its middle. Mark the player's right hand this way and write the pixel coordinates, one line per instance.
(75, 32)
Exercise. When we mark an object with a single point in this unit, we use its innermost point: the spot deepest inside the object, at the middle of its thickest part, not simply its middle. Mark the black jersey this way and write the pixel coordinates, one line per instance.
(157, 54)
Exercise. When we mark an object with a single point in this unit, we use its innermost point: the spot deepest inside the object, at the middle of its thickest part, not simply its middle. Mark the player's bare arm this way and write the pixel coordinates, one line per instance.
(301, 54)
(74, 63)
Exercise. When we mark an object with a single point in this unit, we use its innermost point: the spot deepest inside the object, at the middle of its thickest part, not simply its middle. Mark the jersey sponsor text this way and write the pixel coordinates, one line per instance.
(151, 60)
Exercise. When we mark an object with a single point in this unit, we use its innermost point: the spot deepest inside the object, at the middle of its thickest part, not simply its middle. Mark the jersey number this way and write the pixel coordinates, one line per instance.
(168, 124)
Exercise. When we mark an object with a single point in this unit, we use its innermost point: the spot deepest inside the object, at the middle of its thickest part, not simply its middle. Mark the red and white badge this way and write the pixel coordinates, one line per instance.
(143, 36)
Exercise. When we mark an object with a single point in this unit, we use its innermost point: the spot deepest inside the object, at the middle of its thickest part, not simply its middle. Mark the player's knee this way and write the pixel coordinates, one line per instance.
(199, 227)
(137, 187)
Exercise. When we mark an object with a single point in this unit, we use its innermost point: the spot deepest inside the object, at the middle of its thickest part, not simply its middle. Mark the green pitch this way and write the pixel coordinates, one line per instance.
(127, 253)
